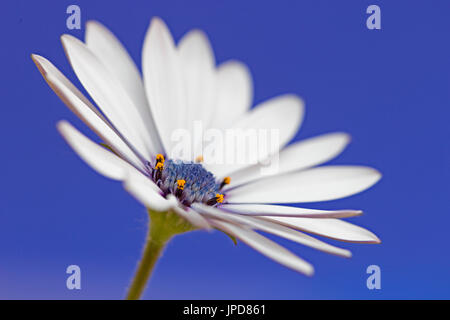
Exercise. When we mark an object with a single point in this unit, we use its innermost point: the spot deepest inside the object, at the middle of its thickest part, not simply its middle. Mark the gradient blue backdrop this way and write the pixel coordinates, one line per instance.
(390, 89)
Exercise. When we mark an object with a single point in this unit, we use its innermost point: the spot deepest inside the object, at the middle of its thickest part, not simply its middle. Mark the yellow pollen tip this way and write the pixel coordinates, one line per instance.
(227, 180)
(160, 158)
(199, 159)
(219, 198)
(159, 166)
(180, 184)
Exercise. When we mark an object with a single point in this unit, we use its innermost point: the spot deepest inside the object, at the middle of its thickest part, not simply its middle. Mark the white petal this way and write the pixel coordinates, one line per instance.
(287, 211)
(284, 113)
(276, 229)
(234, 94)
(331, 228)
(163, 81)
(298, 156)
(318, 184)
(192, 216)
(103, 161)
(116, 59)
(143, 190)
(197, 62)
(84, 109)
(275, 122)
(266, 247)
(139, 177)
(100, 159)
(109, 95)
(108, 164)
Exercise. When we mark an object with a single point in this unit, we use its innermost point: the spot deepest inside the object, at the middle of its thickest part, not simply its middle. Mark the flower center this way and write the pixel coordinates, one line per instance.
(190, 182)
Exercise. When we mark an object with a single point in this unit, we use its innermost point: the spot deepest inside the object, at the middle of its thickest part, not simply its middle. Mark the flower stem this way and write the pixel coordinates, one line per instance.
(152, 251)
(163, 226)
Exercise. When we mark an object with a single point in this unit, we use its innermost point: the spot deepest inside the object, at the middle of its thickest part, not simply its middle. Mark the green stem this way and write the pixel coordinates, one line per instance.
(163, 226)
(152, 251)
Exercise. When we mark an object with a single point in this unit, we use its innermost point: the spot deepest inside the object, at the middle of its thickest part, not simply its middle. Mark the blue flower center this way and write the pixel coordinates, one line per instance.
(190, 182)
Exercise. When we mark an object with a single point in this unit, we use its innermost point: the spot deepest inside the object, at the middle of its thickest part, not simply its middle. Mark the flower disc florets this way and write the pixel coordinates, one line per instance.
(190, 182)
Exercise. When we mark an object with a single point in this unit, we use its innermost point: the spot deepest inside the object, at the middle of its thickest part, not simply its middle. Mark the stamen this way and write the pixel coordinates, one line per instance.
(180, 184)
(180, 187)
(158, 171)
(225, 181)
(199, 159)
(217, 199)
(160, 158)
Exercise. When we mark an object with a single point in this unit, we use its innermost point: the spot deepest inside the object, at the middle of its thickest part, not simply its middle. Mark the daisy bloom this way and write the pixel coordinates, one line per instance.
(181, 87)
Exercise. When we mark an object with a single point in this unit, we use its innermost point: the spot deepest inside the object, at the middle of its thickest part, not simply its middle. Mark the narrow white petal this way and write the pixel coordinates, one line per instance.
(102, 160)
(111, 166)
(267, 247)
(192, 216)
(198, 66)
(139, 177)
(317, 184)
(143, 190)
(273, 124)
(109, 95)
(298, 156)
(274, 228)
(46, 68)
(163, 82)
(331, 228)
(287, 211)
(284, 113)
(84, 109)
(234, 94)
(116, 59)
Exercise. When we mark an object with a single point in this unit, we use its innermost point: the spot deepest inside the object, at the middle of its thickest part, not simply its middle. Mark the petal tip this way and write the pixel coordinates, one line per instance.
(309, 272)
(196, 34)
(68, 40)
(38, 61)
(92, 27)
(62, 125)
(346, 137)
(347, 254)
(93, 24)
(377, 241)
(373, 174)
(296, 99)
(35, 57)
(157, 22)
(377, 175)
(65, 37)
(373, 238)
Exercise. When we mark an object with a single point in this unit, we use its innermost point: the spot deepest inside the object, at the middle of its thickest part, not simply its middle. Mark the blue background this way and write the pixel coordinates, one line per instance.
(388, 88)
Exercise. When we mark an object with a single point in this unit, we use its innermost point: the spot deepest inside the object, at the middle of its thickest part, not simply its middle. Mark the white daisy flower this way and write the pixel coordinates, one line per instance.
(182, 84)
